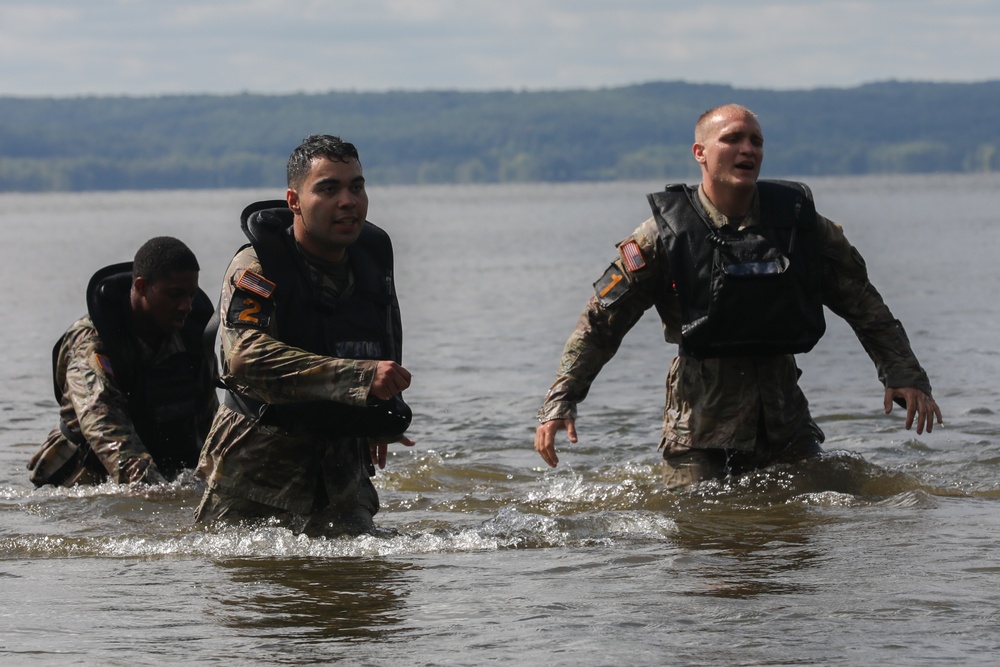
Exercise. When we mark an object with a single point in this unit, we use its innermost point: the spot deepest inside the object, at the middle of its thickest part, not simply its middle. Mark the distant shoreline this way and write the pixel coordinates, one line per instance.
(640, 132)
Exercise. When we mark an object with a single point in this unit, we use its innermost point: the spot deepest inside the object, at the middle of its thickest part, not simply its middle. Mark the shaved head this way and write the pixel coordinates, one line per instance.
(705, 120)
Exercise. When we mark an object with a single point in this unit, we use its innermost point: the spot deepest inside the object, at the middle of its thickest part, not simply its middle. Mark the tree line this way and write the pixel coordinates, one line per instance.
(631, 132)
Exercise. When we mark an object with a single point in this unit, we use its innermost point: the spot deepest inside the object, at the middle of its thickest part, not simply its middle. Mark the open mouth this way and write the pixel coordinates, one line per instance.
(745, 166)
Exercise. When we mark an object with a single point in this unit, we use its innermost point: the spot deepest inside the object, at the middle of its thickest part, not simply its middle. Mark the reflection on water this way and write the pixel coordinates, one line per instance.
(744, 552)
(304, 600)
(748, 535)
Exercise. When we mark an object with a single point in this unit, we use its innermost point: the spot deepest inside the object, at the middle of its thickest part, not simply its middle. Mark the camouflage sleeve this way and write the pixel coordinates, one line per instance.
(256, 363)
(622, 295)
(849, 293)
(100, 407)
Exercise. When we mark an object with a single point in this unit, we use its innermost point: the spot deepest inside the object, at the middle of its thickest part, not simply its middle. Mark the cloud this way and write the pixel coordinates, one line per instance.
(139, 47)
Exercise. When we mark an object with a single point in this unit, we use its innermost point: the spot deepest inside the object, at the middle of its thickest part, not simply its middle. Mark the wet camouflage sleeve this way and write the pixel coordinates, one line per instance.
(604, 322)
(256, 363)
(622, 296)
(93, 402)
(848, 292)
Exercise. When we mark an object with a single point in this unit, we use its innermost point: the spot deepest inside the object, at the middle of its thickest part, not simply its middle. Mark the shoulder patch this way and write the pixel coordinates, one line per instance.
(632, 255)
(251, 305)
(105, 364)
(256, 283)
(612, 286)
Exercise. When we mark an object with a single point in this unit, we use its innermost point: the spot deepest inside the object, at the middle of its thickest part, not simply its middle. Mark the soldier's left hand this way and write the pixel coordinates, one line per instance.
(380, 447)
(390, 379)
(919, 406)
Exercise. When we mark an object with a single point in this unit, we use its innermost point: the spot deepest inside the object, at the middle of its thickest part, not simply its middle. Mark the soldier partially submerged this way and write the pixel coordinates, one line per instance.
(311, 355)
(739, 272)
(134, 379)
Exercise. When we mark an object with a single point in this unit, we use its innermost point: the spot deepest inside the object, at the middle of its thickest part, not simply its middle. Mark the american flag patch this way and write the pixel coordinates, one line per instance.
(631, 255)
(105, 364)
(256, 283)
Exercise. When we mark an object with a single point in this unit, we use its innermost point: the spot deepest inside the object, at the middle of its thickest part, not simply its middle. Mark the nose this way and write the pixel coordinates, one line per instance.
(347, 199)
(186, 305)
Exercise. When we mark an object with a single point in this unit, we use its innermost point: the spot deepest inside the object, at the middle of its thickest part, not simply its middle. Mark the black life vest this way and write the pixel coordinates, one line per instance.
(744, 292)
(364, 325)
(165, 401)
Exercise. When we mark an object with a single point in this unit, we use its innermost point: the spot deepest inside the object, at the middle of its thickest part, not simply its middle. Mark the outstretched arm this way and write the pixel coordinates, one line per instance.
(621, 296)
(849, 293)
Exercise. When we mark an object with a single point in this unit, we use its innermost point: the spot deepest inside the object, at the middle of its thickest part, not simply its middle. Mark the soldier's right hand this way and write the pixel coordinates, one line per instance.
(390, 379)
(142, 469)
(545, 438)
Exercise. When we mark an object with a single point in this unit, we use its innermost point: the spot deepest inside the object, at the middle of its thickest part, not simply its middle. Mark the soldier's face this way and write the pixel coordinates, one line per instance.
(166, 303)
(330, 207)
(731, 151)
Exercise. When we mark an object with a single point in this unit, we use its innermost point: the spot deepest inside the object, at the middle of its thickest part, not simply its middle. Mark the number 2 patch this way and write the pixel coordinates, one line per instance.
(251, 305)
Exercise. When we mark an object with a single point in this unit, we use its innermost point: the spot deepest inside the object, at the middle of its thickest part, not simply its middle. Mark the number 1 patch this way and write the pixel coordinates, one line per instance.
(612, 286)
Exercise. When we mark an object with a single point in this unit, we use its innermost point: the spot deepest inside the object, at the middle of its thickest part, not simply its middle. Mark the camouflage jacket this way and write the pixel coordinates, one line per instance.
(245, 458)
(718, 403)
(93, 405)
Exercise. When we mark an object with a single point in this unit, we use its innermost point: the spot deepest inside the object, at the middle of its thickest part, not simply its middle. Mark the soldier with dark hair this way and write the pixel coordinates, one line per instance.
(134, 378)
(311, 355)
(739, 271)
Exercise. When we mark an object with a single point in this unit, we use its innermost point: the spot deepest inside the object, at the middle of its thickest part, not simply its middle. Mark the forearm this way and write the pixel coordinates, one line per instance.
(849, 293)
(101, 410)
(594, 342)
(268, 370)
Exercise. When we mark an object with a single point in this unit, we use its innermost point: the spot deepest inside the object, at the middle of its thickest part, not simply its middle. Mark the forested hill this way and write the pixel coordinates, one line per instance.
(633, 132)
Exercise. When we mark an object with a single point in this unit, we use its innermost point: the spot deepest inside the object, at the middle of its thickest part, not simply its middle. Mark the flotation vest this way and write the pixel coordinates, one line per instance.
(363, 325)
(165, 401)
(744, 292)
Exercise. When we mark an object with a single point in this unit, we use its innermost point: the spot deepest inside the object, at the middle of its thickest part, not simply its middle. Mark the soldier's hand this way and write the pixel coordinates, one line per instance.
(919, 406)
(379, 448)
(545, 438)
(142, 469)
(390, 380)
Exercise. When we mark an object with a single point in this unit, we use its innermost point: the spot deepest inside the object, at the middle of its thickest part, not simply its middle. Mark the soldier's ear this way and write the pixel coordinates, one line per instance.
(292, 197)
(698, 150)
(139, 285)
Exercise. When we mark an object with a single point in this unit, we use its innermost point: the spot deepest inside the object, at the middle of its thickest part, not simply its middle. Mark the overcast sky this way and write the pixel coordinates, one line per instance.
(148, 47)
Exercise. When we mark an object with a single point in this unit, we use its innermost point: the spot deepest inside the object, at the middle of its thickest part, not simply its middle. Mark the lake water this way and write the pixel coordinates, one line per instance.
(884, 551)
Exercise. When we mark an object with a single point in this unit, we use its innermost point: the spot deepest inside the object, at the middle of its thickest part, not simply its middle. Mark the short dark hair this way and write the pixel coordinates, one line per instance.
(160, 256)
(314, 146)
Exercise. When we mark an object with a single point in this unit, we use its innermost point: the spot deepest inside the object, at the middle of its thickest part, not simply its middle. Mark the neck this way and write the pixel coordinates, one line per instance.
(731, 202)
(327, 253)
(149, 334)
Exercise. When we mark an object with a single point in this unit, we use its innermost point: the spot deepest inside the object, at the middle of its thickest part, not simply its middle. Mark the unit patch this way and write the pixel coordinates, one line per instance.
(632, 256)
(251, 305)
(105, 364)
(612, 286)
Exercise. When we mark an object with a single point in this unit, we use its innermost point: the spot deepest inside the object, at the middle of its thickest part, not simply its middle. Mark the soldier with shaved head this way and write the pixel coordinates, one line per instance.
(739, 271)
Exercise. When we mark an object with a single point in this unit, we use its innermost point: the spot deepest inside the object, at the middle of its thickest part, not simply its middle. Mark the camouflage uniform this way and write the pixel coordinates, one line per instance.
(94, 407)
(735, 404)
(255, 470)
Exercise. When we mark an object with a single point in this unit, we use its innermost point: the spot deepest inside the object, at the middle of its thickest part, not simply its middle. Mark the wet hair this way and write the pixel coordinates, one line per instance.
(326, 146)
(702, 122)
(160, 256)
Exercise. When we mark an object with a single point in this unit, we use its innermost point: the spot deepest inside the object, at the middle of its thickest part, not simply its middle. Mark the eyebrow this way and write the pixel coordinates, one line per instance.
(337, 181)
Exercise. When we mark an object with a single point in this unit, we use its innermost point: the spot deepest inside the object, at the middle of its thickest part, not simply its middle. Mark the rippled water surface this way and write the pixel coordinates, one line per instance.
(884, 550)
